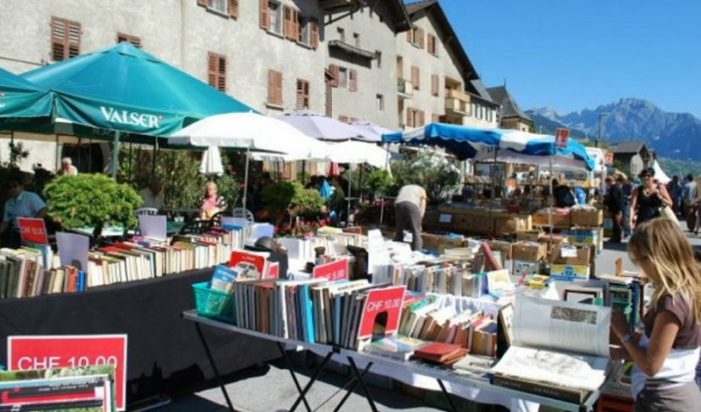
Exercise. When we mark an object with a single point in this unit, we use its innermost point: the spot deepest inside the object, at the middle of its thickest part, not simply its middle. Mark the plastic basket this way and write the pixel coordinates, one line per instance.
(213, 303)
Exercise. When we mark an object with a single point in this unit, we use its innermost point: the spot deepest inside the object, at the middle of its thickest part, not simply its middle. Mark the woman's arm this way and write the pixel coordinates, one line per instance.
(664, 195)
(664, 331)
(633, 205)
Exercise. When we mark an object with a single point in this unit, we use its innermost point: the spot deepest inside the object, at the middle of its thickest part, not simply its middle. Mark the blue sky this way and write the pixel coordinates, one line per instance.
(576, 54)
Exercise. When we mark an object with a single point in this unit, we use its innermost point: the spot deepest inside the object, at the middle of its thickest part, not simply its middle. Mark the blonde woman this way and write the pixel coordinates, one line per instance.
(211, 203)
(666, 355)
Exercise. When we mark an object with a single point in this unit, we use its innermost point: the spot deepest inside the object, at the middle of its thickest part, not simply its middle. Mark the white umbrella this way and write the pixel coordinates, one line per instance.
(372, 132)
(357, 152)
(250, 131)
(211, 162)
(322, 127)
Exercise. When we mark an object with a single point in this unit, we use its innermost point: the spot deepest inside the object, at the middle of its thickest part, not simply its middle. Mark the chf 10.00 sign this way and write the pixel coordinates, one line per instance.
(71, 351)
(32, 230)
(379, 301)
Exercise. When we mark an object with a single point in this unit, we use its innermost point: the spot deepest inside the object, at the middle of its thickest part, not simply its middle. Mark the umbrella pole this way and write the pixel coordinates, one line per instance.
(153, 162)
(349, 196)
(90, 155)
(115, 154)
(552, 195)
(57, 153)
(131, 165)
(382, 201)
(245, 178)
(12, 148)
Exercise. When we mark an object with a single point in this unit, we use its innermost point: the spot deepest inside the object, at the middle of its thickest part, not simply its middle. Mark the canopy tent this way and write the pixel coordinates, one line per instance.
(252, 132)
(357, 152)
(465, 141)
(22, 101)
(510, 156)
(660, 174)
(324, 128)
(372, 132)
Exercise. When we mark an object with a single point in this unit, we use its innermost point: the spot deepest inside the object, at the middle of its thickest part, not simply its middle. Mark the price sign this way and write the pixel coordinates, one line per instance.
(274, 270)
(32, 230)
(608, 158)
(387, 300)
(74, 351)
(562, 136)
(337, 270)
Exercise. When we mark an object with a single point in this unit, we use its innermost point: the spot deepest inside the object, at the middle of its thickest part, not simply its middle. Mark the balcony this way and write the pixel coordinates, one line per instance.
(405, 88)
(349, 48)
(457, 102)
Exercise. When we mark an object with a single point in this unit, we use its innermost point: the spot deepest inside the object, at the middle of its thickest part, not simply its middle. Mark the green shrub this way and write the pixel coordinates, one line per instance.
(91, 200)
(439, 176)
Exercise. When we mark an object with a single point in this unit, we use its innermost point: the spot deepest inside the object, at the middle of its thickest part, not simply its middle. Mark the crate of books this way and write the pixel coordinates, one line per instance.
(213, 303)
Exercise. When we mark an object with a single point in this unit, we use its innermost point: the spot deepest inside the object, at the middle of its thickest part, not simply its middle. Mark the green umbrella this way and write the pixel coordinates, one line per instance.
(128, 91)
(21, 102)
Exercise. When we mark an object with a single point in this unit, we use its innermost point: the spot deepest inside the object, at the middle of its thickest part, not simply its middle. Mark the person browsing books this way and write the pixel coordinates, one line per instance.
(409, 209)
(667, 353)
(20, 204)
(211, 203)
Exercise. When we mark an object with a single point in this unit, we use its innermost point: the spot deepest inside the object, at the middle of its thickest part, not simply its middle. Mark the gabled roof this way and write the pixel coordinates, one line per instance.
(477, 88)
(509, 107)
(402, 21)
(631, 146)
(449, 38)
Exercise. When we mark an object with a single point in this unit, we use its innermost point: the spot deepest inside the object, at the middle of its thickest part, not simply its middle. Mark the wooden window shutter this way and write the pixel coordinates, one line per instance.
(278, 88)
(287, 31)
(336, 72)
(409, 117)
(202, 3)
(314, 32)
(271, 86)
(216, 71)
(294, 26)
(434, 84)
(212, 69)
(300, 94)
(410, 35)
(65, 38)
(420, 42)
(234, 8)
(221, 72)
(421, 118)
(353, 77)
(264, 15)
(415, 76)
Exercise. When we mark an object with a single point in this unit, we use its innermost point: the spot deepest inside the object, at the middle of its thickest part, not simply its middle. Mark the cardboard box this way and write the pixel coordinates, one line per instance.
(520, 268)
(569, 272)
(529, 235)
(528, 251)
(504, 247)
(509, 224)
(587, 217)
(439, 243)
(561, 218)
(584, 237)
(583, 257)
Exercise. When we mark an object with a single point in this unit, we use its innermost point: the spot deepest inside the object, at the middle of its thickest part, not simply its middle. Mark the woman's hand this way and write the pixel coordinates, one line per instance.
(619, 323)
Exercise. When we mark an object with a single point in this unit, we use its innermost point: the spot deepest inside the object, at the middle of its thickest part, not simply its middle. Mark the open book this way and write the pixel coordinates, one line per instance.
(559, 349)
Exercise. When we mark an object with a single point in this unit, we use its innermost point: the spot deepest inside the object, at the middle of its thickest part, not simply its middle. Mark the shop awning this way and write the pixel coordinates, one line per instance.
(21, 101)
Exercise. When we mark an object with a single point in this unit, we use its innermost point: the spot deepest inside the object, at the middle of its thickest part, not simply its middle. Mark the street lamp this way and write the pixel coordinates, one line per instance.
(601, 116)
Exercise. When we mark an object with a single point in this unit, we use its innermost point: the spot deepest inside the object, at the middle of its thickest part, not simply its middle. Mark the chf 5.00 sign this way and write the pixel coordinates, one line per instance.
(379, 301)
(73, 351)
(333, 271)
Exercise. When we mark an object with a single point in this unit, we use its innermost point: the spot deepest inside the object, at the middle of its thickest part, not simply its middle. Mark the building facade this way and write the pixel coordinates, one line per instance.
(384, 62)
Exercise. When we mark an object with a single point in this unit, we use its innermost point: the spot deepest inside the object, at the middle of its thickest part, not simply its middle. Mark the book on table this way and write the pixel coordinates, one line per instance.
(559, 349)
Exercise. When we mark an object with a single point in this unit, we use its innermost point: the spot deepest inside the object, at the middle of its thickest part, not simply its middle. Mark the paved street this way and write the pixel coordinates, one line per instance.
(269, 388)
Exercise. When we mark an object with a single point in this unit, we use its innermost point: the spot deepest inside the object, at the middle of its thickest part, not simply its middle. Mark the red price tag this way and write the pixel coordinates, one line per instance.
(337, 270)
(388, 300)
(273, 270)
(608, 158)
(45, 352)
(32, 230)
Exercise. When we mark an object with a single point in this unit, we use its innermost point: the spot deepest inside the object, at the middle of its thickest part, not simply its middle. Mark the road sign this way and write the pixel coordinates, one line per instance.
(562, 136)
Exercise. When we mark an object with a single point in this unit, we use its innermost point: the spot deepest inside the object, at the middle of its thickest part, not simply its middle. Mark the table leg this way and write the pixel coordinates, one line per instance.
(315, 375)
(352, 388)
(288, 364)
(447, 396)
(214, 367)
(363, 387)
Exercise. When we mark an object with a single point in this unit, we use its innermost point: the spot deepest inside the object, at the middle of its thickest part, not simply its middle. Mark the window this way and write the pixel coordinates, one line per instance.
(414, 117)
(134, 40)
(352, 80)
(65, 39)
(380, 102)
(356, 39)
(218, 5)
(224, 7)
(302, 94)
(216, 71)
(434, 84)
(274, 88)
(343, 77)
(378, 57)
(303, 30)
(415, 36)
(341, 34)
(275, 17)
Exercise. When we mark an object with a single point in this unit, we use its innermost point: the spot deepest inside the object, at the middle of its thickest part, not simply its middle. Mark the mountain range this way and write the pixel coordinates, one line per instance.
(672, 135)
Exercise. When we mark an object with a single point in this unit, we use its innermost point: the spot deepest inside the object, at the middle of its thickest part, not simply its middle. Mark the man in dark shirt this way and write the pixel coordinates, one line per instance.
(615, 202)
(563, 195)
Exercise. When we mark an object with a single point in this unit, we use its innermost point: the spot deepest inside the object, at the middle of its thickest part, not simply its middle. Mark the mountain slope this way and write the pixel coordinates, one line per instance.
(673, 135)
